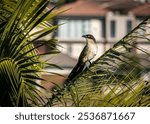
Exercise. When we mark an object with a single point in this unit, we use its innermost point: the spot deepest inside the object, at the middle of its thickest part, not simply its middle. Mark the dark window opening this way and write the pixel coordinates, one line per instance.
(113, 28)
(129, 26)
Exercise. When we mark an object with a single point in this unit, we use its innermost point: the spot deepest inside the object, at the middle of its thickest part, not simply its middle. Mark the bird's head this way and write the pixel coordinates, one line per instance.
(89, 37)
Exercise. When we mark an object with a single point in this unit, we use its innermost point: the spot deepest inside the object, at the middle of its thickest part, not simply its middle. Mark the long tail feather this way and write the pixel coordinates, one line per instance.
(75, 71)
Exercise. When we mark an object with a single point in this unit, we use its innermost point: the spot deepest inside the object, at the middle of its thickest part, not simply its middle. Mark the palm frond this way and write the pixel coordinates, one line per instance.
(20, 63)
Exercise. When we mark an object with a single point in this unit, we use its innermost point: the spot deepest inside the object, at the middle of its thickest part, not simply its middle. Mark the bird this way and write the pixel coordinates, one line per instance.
(88, 53)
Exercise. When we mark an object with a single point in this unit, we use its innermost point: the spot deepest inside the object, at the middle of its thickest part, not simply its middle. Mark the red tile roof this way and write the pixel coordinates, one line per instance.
(124, 5)
(101, 7)
(84, 8)
(142, 10)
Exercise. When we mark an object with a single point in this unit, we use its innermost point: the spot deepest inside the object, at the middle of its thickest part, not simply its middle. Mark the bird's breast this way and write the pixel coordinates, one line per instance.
(92, 48)
(91, 52)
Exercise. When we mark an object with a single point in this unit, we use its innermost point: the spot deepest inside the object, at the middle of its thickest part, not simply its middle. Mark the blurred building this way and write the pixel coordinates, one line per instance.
(108, 20)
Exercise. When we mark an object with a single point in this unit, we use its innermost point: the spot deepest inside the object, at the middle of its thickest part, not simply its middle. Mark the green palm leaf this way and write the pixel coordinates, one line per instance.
(19, 62)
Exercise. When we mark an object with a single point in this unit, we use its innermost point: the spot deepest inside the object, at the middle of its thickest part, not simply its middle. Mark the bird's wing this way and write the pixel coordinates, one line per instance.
(82, 57)
(80, 66)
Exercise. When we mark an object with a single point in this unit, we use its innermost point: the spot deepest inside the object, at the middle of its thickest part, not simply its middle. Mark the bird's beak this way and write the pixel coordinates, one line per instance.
(84, 36)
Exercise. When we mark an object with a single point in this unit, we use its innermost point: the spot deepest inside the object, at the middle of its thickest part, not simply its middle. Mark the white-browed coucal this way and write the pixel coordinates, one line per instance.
(87, 54)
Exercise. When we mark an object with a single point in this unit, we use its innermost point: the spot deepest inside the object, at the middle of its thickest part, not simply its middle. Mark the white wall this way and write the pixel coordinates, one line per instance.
(121, 21)
(96, 29)
(100, 50)
(76, 49)
(63, 49)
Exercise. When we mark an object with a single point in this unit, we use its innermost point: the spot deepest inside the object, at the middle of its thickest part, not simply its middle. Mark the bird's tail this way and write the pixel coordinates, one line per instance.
(80, 66)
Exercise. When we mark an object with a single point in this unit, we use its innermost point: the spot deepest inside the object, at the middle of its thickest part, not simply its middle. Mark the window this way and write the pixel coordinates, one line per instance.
(129, 26)
(113, 28)
(86, 27)
(63, 29)
(73, 28)
(103, 34)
